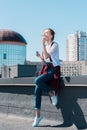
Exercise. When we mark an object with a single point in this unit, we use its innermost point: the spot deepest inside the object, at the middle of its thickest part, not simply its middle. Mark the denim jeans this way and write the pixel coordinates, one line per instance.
(41, 86)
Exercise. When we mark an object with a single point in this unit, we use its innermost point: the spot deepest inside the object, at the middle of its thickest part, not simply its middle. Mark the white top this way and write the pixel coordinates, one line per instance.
(53, 51)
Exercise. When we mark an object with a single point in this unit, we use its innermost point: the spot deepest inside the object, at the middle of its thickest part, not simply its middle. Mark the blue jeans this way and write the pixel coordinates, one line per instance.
(41, 86)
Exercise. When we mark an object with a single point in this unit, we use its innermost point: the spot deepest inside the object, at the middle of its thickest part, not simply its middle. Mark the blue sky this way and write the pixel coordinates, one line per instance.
(31, 17)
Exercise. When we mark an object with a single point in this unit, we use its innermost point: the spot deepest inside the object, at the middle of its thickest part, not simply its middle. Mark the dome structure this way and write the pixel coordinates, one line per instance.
(12, 48)
(12, 36)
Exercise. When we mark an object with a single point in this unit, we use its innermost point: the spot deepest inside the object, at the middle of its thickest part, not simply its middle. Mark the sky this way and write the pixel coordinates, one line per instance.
(31, 17)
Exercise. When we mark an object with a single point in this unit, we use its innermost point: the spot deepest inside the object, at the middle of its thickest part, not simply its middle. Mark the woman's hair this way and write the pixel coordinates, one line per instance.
(52, 33)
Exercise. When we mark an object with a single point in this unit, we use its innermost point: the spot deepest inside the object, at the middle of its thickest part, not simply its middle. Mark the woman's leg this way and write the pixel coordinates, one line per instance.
(41, 81)
(41, 86)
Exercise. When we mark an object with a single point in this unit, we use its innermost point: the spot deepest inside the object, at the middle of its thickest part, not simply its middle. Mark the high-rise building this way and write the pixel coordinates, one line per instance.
(77, 46)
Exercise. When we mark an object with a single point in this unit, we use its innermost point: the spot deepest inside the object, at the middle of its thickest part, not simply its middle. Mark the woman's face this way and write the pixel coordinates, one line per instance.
(47, 35)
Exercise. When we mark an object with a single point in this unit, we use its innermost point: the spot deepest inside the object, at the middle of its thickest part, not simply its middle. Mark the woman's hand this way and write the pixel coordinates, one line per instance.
(39, 55)
(43, 40)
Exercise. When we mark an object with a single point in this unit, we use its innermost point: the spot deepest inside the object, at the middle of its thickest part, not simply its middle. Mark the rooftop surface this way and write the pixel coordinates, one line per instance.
(19, 123)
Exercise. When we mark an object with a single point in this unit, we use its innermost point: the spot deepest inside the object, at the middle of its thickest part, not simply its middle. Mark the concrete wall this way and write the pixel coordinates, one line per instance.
(72, 106)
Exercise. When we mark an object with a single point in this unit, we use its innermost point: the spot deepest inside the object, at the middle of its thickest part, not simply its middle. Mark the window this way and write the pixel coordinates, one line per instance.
(4, 56)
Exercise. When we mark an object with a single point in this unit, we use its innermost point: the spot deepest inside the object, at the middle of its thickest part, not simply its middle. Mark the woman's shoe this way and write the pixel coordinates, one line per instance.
(54, 99)
(37, 121)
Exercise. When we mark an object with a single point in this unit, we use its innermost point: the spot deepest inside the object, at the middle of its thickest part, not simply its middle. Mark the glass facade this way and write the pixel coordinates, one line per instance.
(82, 47)
(12, 54)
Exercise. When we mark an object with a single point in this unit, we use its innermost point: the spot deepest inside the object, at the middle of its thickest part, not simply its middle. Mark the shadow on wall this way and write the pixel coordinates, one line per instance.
(73, 105)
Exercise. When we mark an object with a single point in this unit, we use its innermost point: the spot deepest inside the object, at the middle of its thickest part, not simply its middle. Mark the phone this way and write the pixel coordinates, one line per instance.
(37, 53)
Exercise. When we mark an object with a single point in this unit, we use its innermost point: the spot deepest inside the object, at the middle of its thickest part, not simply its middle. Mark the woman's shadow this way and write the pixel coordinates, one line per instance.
(70, 101)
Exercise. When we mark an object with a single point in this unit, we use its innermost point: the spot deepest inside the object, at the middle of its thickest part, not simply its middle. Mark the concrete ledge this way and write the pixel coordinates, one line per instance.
(18, 99)
(72, 107)
(29, 81)
(75, 80)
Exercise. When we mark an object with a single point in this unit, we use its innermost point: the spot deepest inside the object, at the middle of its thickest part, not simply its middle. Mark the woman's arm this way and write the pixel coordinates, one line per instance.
(46, 55)
(39, 55)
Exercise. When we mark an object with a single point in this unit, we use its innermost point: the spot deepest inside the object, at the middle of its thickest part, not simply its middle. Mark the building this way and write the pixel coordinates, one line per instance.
(12, 48)
(76, 68)
(36, 63)
(29, 69)
(82, 38)
(18, 71)
(77, 47)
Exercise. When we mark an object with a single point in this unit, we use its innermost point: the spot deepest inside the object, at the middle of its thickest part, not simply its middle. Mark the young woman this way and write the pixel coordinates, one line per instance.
(51, 56)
